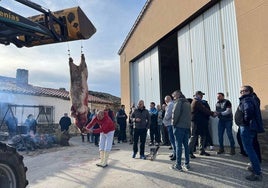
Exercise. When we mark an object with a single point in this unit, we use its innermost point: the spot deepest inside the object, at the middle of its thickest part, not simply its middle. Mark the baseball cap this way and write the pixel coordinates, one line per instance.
(199, 93)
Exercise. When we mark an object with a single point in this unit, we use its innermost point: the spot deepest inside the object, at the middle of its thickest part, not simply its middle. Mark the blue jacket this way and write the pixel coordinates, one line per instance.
(248, 113)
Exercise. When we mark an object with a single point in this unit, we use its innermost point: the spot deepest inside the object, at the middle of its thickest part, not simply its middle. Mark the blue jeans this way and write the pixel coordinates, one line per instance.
(247, 136)
(171, 138)
(222, 125)
(181, 138)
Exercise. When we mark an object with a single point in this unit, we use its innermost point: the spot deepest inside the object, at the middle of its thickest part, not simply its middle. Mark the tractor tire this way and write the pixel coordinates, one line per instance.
(12, 169)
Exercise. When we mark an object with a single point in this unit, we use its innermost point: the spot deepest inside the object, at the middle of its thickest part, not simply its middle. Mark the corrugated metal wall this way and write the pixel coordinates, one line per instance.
(209, 57)
(145, 79)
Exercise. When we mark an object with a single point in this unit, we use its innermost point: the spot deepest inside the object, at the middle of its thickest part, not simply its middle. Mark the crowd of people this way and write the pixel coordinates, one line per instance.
(181, 121)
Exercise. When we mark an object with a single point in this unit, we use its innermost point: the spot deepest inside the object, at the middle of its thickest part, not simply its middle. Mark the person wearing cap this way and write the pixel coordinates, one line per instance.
(65, 122)
(199, 123)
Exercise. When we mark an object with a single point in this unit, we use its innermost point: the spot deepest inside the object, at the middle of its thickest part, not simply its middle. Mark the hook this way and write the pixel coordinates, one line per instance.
(81, 47)
(69, 54)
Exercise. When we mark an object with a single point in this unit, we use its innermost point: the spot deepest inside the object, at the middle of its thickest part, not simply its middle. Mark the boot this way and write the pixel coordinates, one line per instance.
(101, 159)
(221, 151)
(232, 152)
(106, 156)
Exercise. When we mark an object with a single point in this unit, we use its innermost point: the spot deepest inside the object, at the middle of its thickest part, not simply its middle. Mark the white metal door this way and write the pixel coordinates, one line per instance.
(214, 53)
(145, 79)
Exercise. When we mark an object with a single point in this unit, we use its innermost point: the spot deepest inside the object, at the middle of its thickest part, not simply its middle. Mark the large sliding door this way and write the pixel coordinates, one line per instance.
(209, 56)
(145, 79)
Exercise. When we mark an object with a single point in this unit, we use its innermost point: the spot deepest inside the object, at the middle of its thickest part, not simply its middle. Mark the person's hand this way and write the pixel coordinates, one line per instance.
(215, 114)
(137, 119)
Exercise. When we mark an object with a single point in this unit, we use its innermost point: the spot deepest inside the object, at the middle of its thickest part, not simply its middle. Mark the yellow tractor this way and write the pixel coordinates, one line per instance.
(47, 28)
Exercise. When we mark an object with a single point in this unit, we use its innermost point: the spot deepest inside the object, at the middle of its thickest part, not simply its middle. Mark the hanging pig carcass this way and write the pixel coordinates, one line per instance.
(79, 92)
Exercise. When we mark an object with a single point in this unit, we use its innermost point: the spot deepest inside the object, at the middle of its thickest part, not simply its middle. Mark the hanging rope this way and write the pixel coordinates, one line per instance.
(69, 54)
(81, 47)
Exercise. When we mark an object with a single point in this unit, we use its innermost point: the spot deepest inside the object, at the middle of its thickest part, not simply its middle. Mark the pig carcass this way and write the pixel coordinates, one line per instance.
(79, 92)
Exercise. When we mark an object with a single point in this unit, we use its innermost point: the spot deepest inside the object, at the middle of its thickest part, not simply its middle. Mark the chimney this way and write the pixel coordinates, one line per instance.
(22, 76)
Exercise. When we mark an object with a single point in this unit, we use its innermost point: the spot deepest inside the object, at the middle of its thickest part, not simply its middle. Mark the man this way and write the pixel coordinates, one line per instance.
(248, 118)
(106, 130)
(121, 118)
(12, 123)
(154, 130)
(31, 124)
(131, 124)
(225, 115)
(65, 122)
(88, 134)
(167, 123)
(141, 119)
(199, 123)
(163, 128)
(181, 122)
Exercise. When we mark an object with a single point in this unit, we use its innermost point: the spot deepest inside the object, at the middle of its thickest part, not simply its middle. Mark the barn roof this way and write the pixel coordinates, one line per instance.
(9, 85)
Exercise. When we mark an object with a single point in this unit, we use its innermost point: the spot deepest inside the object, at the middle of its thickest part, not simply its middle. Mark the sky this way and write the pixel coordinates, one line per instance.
(48, 64)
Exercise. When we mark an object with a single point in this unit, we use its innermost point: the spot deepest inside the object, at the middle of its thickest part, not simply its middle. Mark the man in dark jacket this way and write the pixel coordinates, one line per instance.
(199, 123)
(121, 118)
(248, 118)
(154, 129)
(65, 122)
(141, 119)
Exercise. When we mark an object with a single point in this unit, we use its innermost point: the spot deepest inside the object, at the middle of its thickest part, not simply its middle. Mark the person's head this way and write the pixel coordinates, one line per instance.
(141, 104)
(30, 116)
(65, 114)
(122, 106)
(100, 115)
(190, 100)
(107, 107)
(158, 107)
(152, 105)
(177, 94)
(164, 106)
(168, 99)
(246, 90)
(199, 94)
(220, 96)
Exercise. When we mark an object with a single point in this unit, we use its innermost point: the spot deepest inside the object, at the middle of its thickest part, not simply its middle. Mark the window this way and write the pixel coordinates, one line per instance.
(45, 114)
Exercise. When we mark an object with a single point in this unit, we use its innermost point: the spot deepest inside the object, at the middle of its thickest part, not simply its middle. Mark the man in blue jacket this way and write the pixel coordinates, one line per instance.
(248, 118)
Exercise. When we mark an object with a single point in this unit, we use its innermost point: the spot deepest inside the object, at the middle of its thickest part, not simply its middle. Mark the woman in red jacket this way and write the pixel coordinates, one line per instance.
(106, 131)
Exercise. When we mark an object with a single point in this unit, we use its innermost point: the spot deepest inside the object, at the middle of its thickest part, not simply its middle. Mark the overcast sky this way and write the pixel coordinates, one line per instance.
(48, 64)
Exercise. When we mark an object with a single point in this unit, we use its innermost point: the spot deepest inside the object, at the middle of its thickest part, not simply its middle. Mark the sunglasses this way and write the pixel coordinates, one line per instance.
(243, 91)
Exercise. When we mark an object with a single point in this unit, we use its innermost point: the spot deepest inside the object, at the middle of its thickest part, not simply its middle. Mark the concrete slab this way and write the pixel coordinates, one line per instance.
(75, 167)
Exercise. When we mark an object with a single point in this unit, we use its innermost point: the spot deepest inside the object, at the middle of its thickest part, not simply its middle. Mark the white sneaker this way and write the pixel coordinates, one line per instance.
(186, 167)
(211, 148)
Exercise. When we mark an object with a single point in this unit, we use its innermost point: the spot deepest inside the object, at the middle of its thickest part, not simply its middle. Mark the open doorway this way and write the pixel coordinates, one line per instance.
(169, 66)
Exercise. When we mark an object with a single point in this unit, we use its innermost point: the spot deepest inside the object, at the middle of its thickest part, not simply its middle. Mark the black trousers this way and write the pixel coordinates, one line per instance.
(198, 129)
(155, 134)
(122, 132)
(139, 134)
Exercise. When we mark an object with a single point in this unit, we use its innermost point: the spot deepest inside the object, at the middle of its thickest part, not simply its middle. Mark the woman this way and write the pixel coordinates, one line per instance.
(106, 130)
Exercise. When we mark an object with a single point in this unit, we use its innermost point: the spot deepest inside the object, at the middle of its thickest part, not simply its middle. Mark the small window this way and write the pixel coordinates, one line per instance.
(45, 114)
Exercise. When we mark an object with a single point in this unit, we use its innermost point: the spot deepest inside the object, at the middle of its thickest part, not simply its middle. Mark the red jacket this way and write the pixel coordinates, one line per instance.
(106, 124)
